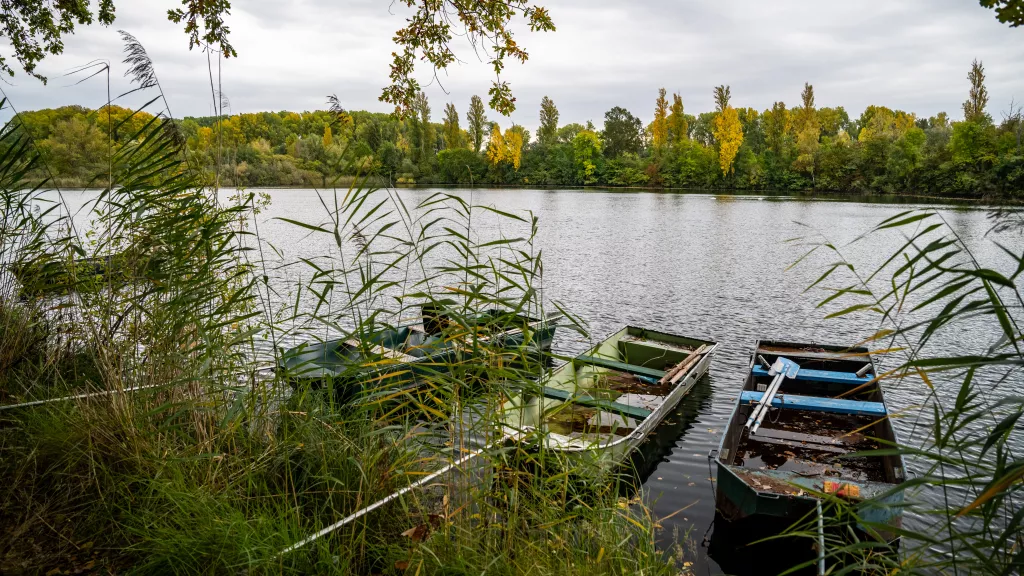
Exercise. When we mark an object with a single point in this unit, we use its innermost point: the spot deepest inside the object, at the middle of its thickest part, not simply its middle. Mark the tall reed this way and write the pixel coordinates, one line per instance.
(184, 453)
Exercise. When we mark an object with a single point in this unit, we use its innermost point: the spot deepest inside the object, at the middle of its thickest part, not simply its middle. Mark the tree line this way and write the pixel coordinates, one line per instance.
(802, 147)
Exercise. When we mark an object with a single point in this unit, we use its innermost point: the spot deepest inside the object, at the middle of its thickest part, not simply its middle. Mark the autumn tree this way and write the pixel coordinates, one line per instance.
(497, 150)
(678, 127)
(514, 138)
(727, 130)
(808, 131)
(548, 131)
(476, 119)
(659, 128)
(452, 132)
(977, 99)
(328, 137)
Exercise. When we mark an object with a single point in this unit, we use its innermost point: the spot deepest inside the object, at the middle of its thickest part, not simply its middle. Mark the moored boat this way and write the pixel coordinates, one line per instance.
(803, 415)
(591, 412)
(391, 358)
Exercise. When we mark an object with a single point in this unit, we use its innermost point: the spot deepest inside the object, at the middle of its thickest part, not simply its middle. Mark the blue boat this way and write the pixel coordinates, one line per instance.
(802, 411)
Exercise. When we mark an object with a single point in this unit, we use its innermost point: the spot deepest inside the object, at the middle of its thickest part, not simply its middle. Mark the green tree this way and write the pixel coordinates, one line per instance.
(776, 129)
(977, 99)
(622, 133)
(567, 133)
(808, 131)
(586, 147)
(476, 119)
(548, 131)
(425, 138)
(75, 148)
(452, 132)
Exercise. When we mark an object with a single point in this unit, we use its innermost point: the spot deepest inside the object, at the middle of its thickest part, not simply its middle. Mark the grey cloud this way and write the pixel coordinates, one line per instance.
(911, 54)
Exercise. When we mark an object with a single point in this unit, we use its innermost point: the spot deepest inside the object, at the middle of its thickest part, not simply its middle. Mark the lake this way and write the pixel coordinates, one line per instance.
(708, 265)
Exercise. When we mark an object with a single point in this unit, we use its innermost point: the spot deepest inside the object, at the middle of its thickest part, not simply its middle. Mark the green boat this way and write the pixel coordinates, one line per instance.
(393, 359)
(591, 412)
(802, 411)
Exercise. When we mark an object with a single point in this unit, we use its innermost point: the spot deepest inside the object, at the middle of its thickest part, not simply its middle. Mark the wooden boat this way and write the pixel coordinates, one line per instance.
(826, 408)
(395, 357)
(593, 411)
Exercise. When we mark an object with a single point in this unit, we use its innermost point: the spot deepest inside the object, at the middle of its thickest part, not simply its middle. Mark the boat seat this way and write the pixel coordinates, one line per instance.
(381, 351)
(814, 404)
(607, 405)
(819, 376)
(620, 366)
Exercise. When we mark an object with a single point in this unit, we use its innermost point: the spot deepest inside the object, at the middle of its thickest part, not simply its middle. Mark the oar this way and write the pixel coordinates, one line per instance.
(783, 368)
(675, 372)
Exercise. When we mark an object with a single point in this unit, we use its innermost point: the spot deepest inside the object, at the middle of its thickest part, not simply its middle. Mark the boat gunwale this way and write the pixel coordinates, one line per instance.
(391, 362)
(656, 415)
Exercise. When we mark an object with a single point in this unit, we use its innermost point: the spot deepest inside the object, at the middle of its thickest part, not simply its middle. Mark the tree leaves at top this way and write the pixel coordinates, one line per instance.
(36, 28)
(429, 31)
(622, 133)
(211, 13)
(1007, 11)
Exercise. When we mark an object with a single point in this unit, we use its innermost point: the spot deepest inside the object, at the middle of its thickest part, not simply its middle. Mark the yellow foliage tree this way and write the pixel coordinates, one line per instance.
(728, 130)
(678, 126)
(328, 137)
(659, 128)
(514, 146)
(496, 148)
(729, 135)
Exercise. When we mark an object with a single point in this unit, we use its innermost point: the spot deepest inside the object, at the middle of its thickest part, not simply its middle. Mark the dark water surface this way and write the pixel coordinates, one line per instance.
(703, 265)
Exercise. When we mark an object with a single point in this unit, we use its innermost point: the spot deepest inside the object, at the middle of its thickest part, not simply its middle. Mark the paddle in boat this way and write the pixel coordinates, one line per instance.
(802, 411)
(394, 357)
(595, 409)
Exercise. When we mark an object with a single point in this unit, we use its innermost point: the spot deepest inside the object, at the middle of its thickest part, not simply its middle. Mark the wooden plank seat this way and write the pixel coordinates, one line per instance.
(811, 403)
(607, 405)
(826, 376)
(381, 351)
(620, 366)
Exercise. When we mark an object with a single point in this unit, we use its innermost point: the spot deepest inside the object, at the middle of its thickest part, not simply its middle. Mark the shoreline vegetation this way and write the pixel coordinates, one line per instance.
(802, 149)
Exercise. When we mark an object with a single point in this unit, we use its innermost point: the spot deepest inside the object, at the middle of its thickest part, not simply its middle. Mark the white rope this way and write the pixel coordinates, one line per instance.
(396, 495)
(76, 397)
(103, 393)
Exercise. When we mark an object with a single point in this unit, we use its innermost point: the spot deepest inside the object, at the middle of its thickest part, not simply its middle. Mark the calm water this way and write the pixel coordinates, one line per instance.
(704, 265)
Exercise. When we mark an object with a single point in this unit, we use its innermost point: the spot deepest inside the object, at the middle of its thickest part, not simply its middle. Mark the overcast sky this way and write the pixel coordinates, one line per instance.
(906, 54)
